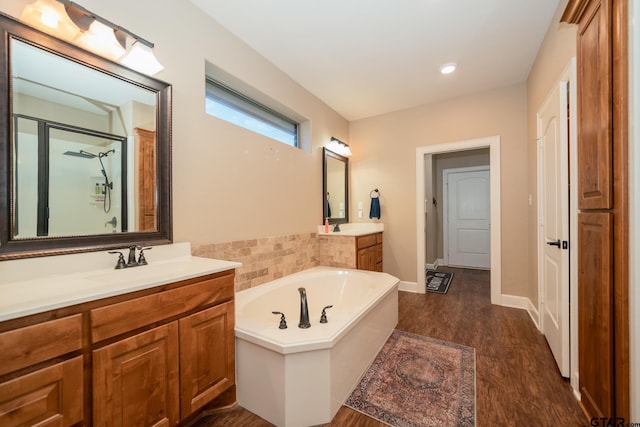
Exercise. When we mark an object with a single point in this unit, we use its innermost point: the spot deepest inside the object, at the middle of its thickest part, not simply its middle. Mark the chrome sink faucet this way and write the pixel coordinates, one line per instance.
(304, 310)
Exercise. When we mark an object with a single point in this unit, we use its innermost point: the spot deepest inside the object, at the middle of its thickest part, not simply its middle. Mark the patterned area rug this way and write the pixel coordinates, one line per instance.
(438, 282)
(418, 381)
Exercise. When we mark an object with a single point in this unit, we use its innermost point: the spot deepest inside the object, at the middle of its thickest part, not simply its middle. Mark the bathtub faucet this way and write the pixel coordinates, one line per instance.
(304, 310)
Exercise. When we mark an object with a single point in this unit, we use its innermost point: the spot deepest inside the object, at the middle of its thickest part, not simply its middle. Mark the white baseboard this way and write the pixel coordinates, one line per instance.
(440, 261)
(523, 303)
(535, 315)
(575, 386)
(514, 301)
(408, 287)
(432, 266)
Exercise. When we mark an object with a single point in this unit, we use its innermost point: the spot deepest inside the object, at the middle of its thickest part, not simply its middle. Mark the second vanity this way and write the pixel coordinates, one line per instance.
(151, 345)
(356, 245)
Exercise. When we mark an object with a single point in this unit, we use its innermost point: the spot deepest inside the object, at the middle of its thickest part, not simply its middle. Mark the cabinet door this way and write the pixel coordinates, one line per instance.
(135, 381)
(363, 259)
(207, 356)
(595, 172)
(147, 181)
(368, 258)
(49, 397)
(595, 324)
(373, 258)
(379, 252)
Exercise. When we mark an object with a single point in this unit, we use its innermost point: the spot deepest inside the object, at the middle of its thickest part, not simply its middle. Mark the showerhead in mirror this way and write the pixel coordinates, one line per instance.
(108, 185)
(82, 154)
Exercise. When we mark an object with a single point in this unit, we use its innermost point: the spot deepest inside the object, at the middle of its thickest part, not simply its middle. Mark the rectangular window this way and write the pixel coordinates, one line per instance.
(227, 104)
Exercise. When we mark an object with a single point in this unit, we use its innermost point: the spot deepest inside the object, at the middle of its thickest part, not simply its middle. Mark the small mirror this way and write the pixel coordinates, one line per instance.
(335, 188)
(85, 147)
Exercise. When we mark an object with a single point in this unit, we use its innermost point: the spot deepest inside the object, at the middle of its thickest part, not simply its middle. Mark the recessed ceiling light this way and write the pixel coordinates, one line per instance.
(448, 68)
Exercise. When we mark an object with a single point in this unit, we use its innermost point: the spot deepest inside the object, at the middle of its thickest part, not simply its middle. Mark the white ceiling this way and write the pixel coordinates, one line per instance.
(369, 57)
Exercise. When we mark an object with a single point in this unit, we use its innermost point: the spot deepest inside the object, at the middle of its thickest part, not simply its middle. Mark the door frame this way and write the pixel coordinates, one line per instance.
(445, 204)
(493, 143)
(569, 77)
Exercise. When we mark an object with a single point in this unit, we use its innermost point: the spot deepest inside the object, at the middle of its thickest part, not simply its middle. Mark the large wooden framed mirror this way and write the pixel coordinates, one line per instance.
(85, 147)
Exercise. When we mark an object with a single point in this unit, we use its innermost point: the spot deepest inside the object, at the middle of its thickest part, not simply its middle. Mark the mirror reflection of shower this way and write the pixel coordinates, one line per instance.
(80, 176)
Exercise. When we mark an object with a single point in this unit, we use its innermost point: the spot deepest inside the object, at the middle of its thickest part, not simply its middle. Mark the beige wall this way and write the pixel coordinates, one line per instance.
(557, 49)
(384, 157)
(228, 183)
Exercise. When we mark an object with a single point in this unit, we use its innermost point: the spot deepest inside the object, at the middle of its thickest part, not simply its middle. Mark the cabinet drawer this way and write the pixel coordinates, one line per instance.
(50, 396)
(379, 238)
(33, 344)
(116, 319)
(365, 241)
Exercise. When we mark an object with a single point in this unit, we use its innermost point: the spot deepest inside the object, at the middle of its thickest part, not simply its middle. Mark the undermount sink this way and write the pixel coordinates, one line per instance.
(144, 273)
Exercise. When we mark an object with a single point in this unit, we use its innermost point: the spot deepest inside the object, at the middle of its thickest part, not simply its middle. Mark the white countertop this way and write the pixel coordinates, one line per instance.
(35, 285)
(353, 229)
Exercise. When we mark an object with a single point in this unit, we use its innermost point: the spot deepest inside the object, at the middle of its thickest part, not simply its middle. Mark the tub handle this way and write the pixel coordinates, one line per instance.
(283, 321)
(323, 316)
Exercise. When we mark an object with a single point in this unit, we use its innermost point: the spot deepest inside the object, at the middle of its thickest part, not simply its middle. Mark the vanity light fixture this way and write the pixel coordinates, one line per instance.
(140, 57)
(101, 39)
(73, 23)
(448, 68)
(339, 147)
(50, 17)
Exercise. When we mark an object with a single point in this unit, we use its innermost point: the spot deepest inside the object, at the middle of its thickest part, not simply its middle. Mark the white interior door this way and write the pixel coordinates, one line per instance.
(468, 241)
(553, 216)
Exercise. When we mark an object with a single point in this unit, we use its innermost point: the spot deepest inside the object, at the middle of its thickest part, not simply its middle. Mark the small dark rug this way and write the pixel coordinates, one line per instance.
(418, 381)
(438, 281)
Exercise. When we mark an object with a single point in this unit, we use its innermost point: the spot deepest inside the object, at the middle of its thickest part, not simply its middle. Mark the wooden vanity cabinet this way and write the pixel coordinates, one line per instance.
(154, 357)
(363, 252)
(369, 252)
(162, 375)
(43, 374)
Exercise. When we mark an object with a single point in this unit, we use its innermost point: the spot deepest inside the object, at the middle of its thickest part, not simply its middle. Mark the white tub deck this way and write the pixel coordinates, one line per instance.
(301, 377)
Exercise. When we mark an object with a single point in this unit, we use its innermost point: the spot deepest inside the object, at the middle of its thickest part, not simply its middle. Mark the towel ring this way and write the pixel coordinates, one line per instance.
(374, 191)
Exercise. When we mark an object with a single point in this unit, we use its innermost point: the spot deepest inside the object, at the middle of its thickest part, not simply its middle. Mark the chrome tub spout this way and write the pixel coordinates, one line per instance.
(304, 309)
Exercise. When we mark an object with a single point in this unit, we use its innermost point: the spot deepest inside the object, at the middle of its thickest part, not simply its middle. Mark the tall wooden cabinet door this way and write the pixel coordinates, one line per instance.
(594, 52)
(595, 324)
(146, 179)
(51, 396)
(207, 356)
(135, 381)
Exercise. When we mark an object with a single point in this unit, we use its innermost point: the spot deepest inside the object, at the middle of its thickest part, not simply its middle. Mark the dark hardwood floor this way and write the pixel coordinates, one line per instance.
(517, 381)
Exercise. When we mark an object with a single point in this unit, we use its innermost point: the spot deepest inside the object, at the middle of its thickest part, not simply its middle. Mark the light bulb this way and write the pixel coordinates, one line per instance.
(101, 39)
(51, 17)
(448, 68)
(141, 58)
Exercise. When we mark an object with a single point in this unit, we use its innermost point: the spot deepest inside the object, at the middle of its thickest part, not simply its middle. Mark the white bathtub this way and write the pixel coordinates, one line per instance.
(301, 377)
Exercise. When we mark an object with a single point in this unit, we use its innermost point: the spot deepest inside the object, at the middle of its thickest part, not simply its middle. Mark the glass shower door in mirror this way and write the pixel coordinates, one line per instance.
(69, 180)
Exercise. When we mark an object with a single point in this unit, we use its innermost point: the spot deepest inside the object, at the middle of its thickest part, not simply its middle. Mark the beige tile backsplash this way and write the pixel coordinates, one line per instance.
(269, 258)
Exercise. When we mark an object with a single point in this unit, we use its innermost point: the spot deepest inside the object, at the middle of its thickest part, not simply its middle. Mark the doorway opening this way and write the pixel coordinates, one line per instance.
(424, 204)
